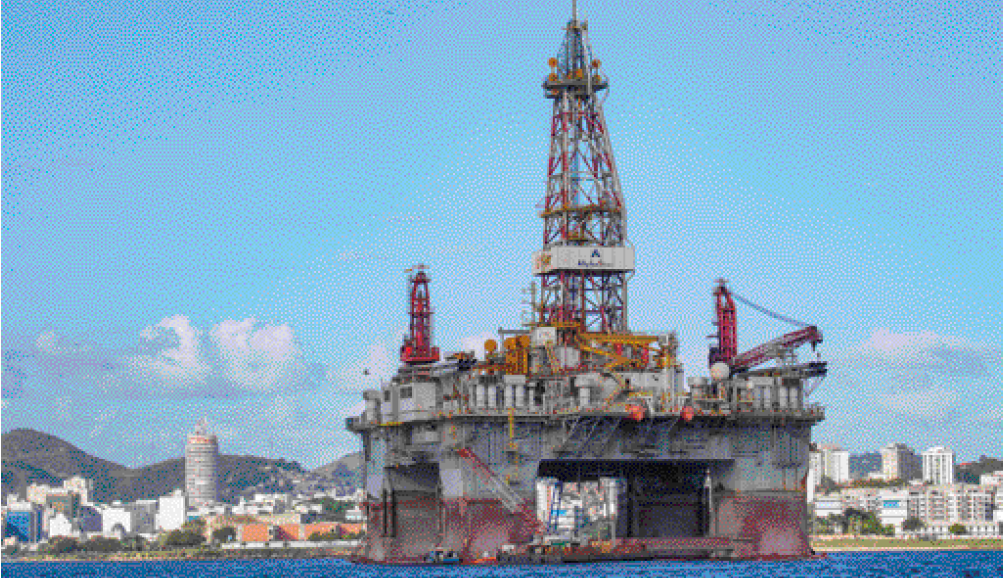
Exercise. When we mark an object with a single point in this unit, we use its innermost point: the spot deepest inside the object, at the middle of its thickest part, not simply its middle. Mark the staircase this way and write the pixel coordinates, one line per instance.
(509, 498)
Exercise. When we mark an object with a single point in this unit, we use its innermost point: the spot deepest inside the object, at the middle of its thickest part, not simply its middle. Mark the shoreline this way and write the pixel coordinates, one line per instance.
(884, 544)
(834, 549)
(198, 555)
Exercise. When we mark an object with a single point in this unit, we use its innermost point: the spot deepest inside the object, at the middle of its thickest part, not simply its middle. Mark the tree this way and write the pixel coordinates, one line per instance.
(827, 485)
(866, 483)
(102, 544)
(134, 543)
(183, 538)
(957, 529)
(196, 525)
(333, 510)
(863, 522)
(224, 534)
(323, 536)
(913, 524)
(62, 545)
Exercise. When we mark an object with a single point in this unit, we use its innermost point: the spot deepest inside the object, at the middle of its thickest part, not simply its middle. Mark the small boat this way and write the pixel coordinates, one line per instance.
(442, 556)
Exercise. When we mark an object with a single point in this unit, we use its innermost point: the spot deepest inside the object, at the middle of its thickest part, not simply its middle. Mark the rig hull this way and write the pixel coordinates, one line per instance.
(719, 485)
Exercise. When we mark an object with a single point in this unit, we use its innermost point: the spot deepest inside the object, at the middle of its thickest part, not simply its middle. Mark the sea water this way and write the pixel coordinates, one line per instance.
(948, 564)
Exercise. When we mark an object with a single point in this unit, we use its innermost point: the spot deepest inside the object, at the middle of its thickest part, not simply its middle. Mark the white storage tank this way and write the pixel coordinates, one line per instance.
(479, 396)
(520, 396)
(492, 395)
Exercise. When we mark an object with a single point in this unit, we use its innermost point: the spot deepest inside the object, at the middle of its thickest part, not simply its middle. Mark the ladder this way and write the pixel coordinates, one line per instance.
(555, 510)
(509, 498)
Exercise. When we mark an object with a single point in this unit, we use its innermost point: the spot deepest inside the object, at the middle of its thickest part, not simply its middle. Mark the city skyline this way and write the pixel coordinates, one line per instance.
(216, 225)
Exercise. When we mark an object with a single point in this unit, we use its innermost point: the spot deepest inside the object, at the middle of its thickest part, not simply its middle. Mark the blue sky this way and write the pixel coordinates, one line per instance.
(208, 207)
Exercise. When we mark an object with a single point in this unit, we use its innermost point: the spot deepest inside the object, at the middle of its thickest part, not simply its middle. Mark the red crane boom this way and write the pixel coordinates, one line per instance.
(726, 350)
(763, 352)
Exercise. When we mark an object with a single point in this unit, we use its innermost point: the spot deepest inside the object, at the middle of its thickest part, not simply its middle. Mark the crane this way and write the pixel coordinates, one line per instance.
(725, 350)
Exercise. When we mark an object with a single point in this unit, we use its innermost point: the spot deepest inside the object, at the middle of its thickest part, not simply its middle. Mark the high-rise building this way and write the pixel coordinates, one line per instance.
(832, 462)
(201, 456)
(939, 466)
(899, 462)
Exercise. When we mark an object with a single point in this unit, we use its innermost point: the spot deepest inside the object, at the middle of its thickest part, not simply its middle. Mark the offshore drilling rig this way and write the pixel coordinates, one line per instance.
(711, 465)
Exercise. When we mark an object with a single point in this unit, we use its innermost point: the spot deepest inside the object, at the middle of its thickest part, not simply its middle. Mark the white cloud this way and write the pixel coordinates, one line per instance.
(175, 359)
(259, 358)
(932, 404)
(928, 351)
(925, 376)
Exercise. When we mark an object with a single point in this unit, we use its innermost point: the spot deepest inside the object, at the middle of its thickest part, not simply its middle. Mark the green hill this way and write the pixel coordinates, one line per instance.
(33, 456)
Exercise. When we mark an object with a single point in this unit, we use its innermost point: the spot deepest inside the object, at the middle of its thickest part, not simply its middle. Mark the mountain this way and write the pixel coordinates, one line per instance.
(33, 456)
(345, 473)
(861, 465)
(969, 473)
(346, 465)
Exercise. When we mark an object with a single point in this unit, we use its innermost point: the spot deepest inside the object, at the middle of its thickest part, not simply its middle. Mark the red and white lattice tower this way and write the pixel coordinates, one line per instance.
(586, 258)
(417, 347)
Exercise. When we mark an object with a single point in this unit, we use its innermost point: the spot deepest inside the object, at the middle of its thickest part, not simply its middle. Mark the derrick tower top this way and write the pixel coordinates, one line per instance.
(586, 257)
(418, 345)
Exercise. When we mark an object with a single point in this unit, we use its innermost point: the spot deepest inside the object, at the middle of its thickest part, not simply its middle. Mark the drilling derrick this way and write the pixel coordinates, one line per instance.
(417, 347)
(585, 260)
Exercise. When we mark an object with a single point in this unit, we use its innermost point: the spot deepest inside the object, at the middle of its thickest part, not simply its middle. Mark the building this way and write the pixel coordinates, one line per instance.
(67, 503)
(938, 466)
(893, 507)
(993, 479)
(118, 521)
(89, 520)
(201, 458)
(23, 522)
(36, 493)
(832, 462)
(62, 525)
(172, 511)
(80, 486)
(899, 462)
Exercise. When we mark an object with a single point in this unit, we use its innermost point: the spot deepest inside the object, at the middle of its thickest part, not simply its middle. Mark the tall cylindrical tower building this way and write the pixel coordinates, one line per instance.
(201, 456)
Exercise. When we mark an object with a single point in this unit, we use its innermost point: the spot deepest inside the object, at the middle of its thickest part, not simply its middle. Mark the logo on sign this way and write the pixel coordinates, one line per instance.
(595, 260)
